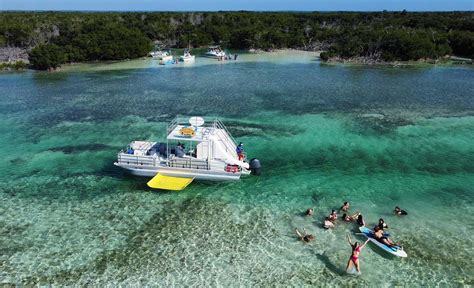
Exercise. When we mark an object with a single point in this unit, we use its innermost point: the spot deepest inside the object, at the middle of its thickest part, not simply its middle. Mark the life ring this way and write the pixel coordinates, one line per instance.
(187, 132)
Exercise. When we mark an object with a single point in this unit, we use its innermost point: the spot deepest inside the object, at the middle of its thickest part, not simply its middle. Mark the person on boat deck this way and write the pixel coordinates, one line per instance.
(130, 151)
(304, 236)
(179, 151)
(360, 221)
(399, 211)
(240, 151)
(354, 259)
(345, 207)
(333, 216)
(380, 236)
(350, 218)
(381, 224)
(309, 212)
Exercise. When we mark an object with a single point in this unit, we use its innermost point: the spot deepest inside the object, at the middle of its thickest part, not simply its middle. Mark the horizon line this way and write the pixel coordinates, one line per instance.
(217, 11)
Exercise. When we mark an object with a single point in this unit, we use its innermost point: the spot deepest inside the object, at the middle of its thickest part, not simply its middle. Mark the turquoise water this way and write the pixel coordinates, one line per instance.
(375, 136)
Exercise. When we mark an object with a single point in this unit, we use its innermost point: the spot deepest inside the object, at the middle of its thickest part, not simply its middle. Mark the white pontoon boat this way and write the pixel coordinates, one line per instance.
(194, 149)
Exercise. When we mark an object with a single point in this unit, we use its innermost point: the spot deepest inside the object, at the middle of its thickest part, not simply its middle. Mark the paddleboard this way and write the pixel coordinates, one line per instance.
(392, 250)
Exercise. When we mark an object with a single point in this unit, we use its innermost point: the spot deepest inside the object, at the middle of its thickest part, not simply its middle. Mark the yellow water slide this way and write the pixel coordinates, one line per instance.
(169, 183)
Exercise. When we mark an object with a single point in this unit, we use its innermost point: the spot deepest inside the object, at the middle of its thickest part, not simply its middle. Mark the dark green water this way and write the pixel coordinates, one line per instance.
(377, 137)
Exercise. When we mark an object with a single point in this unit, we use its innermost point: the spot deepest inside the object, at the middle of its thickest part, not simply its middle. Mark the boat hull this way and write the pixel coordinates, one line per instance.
(197, 174)
(187, 59)
(214, 55)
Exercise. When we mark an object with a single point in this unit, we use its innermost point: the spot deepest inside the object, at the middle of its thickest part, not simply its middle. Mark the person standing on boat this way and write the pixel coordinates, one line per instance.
(240, 151)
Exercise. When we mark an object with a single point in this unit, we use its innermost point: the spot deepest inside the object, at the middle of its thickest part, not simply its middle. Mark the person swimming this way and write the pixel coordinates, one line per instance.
(333, 216)
(381, 225)
(345, 206)
(305, 237)
(354, 259)
(309, 212)
(350, 218)
(360, 221)
(399, 211)
(328, 223)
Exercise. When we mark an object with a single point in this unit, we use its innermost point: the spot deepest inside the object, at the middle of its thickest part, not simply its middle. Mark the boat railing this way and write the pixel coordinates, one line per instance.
(227, 137)
(189, 163)
(140, 160)
(218, 124)
(172, 125)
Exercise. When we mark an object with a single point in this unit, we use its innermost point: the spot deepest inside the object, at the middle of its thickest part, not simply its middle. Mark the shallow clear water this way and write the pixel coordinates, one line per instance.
(374, 136)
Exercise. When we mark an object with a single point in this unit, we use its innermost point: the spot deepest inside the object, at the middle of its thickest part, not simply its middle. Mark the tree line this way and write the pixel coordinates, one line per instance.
(54, 38)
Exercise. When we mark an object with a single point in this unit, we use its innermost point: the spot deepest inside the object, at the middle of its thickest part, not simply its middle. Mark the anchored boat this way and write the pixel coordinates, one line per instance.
(187, 57)
(214, 52)
(164, 56)
(195, 149)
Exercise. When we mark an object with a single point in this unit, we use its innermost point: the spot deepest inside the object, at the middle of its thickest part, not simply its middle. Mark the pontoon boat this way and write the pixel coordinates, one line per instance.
(194, 149)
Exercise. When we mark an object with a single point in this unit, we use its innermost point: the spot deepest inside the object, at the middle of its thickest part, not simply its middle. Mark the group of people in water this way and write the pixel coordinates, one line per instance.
(379, 232)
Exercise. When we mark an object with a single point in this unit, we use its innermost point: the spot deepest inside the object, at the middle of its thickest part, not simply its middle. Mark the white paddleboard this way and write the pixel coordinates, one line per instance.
(392, 250)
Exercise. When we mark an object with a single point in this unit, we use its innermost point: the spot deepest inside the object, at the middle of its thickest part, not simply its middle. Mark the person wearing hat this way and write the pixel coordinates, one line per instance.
(240, 151)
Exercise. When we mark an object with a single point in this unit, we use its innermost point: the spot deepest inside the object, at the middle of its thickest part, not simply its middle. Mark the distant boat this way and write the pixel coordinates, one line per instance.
(214, 52)
(165, 56)
(187, 57)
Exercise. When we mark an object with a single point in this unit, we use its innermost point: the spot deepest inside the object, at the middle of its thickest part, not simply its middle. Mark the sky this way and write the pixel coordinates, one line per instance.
(254, 5)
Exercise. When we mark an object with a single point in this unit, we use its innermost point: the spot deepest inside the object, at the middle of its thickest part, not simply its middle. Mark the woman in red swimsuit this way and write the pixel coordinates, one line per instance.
(354, 260)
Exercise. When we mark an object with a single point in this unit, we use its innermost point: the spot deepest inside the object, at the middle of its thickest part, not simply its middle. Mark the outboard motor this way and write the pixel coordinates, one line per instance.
(255, 166)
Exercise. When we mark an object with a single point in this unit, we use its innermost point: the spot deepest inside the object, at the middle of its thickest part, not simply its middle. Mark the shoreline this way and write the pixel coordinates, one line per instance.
(366, 61)
(289, 53)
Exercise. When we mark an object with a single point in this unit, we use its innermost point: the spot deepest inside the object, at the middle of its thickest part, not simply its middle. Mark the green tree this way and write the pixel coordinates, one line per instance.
(462, 43)
(46, 56)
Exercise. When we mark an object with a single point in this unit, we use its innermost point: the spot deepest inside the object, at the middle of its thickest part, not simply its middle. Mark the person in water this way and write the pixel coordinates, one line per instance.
(354, 259)
(309, 212)
(240, 151)
(399, 211)
(328, 223)
(345, 207)
(333, 216)
(381, 225)
(380, 236)
(350, 218)
(360, 221)
(305, 237)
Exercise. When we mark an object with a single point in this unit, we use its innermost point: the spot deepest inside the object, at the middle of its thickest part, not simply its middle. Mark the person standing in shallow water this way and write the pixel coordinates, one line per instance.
(354, 259)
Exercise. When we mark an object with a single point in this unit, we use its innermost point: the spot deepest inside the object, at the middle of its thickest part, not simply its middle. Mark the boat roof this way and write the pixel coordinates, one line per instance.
(200, 133)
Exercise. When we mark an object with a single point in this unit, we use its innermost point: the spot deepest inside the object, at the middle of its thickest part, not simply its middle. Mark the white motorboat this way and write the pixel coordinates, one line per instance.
(214, 52)
(195, 149)
(187, 57)
(164, 56)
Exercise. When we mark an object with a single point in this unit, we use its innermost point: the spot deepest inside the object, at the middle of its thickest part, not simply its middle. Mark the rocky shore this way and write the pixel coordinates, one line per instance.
(13, 58)
(366, 60)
